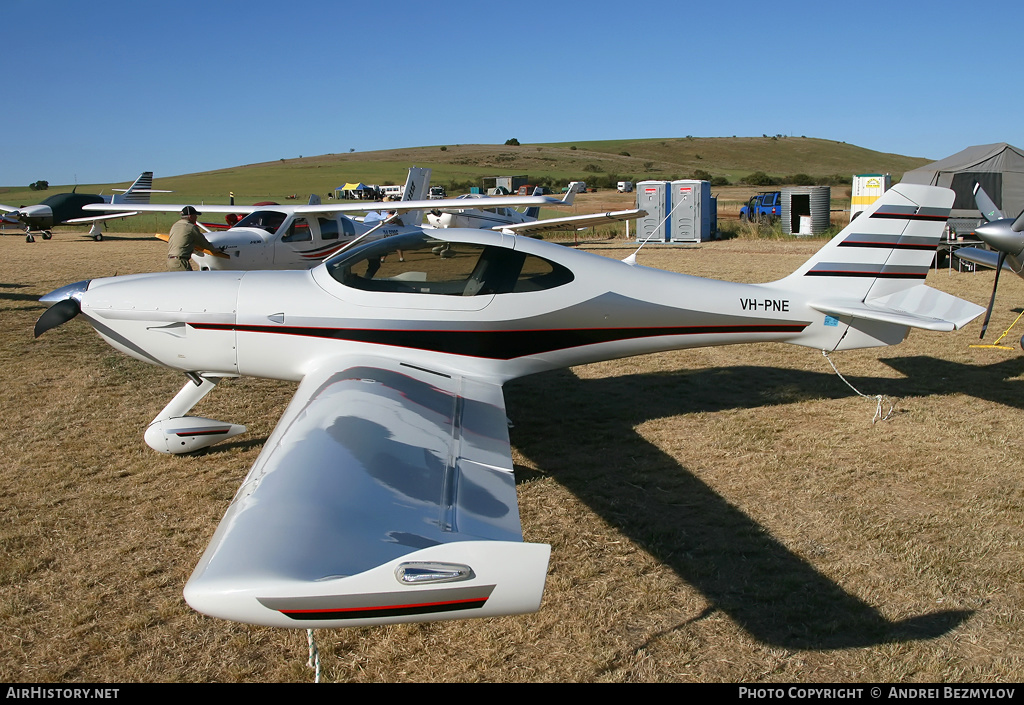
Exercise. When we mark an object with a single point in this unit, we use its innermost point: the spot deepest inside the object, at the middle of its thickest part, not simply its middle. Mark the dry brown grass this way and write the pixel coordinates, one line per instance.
(724, 514)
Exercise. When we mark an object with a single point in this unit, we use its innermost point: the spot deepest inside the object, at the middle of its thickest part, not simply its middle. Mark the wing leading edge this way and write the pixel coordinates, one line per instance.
(572, 222)
(384, 495)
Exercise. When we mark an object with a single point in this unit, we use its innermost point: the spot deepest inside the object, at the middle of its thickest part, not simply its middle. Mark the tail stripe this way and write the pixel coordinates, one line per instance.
(881, 271)
(912, 213)
(138, 192)
(888, 242)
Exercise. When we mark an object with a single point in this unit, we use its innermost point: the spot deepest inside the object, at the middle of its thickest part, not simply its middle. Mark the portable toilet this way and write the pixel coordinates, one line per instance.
(691, 207)
(652, 196)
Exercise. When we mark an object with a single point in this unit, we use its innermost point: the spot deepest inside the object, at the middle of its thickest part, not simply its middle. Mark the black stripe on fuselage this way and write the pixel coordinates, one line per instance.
(501, 344)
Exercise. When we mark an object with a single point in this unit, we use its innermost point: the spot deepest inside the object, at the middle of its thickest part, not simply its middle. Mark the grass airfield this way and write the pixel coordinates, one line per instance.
(727, 514)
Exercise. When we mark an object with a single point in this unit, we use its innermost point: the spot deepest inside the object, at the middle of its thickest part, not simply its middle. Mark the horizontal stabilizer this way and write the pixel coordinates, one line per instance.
(917, 307)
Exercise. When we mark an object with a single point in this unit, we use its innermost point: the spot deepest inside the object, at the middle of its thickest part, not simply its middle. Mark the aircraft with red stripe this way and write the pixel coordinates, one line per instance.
(386, 491)
(301, 236)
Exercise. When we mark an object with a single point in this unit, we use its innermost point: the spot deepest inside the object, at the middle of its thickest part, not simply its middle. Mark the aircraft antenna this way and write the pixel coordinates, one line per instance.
(631, 260)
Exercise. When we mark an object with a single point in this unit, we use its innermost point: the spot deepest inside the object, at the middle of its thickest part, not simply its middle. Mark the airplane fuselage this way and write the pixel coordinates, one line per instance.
(285, 240)
(279, 324)
(56, 209)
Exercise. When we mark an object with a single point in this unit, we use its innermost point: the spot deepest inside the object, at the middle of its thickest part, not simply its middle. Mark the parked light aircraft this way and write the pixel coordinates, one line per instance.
(70, 209)
(510, 220)
(1004, 236)
(302, 236)
(487, 216)
(386, 492)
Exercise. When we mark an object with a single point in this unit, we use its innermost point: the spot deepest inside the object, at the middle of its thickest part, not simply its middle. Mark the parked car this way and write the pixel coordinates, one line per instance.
(765, 206)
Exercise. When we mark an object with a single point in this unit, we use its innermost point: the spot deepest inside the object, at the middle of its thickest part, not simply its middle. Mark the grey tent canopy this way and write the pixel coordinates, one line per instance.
(999, 168)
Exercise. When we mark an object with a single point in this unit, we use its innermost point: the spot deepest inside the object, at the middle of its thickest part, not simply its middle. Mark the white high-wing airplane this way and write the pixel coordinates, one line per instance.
(509, 220)
(386, 492)
(69, 209)
(302, 236)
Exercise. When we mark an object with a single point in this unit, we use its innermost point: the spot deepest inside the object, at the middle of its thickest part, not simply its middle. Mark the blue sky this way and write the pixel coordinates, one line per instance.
(97, 92)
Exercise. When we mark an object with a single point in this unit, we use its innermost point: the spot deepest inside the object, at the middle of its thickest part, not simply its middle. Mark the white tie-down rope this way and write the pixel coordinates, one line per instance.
(314, 655)
(877, 397)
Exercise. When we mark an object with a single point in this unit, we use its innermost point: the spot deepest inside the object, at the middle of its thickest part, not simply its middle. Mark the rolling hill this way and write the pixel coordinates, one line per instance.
(458, 166)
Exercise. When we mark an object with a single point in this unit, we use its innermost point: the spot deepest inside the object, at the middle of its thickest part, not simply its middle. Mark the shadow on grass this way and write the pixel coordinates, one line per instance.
(580, 432)
(12, 296)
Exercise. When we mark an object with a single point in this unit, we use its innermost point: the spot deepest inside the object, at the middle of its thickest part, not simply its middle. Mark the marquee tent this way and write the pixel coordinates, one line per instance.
(999, 168)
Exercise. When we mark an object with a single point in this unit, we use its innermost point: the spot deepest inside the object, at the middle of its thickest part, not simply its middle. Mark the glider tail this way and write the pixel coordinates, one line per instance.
(868, 281)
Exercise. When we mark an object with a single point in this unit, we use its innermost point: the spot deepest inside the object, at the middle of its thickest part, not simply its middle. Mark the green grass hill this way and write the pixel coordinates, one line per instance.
(458, 167)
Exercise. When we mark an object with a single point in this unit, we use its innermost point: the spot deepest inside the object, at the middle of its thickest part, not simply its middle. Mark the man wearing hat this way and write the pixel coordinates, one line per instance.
(185, 236)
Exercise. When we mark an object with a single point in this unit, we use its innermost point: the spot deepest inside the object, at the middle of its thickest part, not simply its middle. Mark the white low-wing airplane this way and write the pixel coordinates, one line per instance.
(489, 216)
(386, 492)
(302, 236)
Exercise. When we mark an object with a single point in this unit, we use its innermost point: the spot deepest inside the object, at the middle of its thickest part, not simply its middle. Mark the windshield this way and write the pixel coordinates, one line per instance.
(418, 263)
(267, 220)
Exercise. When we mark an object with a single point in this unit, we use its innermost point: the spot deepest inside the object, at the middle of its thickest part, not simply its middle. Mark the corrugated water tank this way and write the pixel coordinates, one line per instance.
(813, 201)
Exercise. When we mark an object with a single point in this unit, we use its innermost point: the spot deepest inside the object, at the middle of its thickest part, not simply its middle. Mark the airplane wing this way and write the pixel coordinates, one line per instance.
(97, 218)
(400, 206)
(174, 208)
(385, 494)
(574, 222)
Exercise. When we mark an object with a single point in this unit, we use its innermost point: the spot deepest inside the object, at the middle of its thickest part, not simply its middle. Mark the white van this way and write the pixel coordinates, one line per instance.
(625, 187)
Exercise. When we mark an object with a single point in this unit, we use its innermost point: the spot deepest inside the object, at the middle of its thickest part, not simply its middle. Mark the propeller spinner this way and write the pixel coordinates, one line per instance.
(66, 305)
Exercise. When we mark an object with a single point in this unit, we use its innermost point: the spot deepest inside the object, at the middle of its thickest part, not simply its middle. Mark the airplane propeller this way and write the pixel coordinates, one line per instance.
(1000, 233)
(66, 305)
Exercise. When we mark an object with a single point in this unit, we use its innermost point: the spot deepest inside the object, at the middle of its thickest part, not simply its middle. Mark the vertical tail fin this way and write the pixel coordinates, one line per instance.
(888, 247)
(871, 275)
(417, 188)
(533, 212)
(139, 191)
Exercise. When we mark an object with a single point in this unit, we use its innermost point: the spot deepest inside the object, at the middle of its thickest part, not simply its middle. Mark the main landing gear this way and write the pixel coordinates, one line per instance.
(29, 237)
(173, 432)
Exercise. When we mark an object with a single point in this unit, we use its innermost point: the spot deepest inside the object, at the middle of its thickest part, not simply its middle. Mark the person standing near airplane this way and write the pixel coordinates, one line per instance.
(185, 236)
